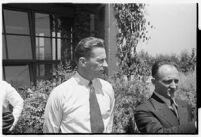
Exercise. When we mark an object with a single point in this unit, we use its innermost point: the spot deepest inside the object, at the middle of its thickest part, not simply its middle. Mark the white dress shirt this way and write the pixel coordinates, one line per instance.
(67, 109)
(10, 95)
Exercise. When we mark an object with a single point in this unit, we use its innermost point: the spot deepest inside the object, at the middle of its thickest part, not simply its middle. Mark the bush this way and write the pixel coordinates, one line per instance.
(31, 120)
(188, 89)
(128, 94)
(35, 99)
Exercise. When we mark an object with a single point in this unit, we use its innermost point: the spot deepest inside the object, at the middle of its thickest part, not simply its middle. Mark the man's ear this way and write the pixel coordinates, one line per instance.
(82, 61)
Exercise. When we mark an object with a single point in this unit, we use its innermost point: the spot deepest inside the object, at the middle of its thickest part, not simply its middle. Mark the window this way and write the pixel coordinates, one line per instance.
(43, 48)
(17, 35)
(56, 48)
(16, 47)
(53, 41)
(42, 22)
(67, 48)
(43, 44)
(4, 48)
(64, 41)
(16, 22)
(33, 44)
(48, 47)
(45, 71)
(19, 47)
(18, 75)
(59, 44)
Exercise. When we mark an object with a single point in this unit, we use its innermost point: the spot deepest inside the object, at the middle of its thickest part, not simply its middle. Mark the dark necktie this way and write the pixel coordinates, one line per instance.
(96, 120)
(173, 107)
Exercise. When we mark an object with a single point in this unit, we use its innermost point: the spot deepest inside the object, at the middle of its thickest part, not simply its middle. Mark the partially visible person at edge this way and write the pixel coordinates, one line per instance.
(12, 97)
(68, 106)
(163, 113)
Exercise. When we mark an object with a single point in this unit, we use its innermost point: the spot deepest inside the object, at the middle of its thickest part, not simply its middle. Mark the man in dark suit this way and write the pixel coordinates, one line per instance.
(162, 113)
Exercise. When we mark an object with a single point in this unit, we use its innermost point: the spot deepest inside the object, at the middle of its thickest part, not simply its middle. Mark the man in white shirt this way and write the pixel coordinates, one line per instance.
(10, 96)
(68, 106)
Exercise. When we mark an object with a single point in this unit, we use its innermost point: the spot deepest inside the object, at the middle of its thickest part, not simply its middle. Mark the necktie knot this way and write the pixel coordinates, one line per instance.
(91, 87)
(90, 83)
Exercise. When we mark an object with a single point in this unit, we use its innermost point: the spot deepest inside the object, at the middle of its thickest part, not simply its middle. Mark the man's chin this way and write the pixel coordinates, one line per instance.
(171, 94)
(101, 75)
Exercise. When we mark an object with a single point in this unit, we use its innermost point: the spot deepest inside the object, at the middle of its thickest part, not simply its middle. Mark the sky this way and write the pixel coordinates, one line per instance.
(174, 28)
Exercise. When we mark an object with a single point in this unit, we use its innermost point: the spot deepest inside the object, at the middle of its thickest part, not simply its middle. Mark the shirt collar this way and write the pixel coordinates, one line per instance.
(175, 102)
(81, 80)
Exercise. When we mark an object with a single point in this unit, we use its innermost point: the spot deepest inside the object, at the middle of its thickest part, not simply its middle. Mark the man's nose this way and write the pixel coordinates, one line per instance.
(105, 64)
(173, 85)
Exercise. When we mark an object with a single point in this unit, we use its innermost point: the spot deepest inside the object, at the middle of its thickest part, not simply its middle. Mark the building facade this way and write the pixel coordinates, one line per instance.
(36, 37)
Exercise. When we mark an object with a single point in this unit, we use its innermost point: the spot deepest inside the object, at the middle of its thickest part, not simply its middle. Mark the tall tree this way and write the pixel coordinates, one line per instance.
(132, 26)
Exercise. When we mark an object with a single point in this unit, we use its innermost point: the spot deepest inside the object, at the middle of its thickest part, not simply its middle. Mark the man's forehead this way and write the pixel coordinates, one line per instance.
(166, 70)
(98, 51)
(167, 67)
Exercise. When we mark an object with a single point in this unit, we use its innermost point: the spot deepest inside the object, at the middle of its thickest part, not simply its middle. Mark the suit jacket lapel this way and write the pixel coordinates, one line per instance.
(182, 112)
(163, 111)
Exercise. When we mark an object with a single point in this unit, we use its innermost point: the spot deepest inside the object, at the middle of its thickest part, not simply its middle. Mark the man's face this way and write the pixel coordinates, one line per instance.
(167, 81)
(96, 64)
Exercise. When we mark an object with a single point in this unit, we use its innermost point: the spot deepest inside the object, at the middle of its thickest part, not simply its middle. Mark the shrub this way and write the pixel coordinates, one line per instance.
(128, 94)
(188, 89)
(35, 99)
(31, 120)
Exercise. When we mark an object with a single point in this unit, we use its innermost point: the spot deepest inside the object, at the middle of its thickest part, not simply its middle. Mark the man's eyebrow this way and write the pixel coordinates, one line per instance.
(101, 57)
(171, 79)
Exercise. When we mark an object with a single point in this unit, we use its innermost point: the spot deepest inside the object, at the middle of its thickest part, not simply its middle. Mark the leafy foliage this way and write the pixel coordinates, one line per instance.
(31, 120)
(132, 26)
(35, 99)
(188, 61)
(188, 89)
(128, 94)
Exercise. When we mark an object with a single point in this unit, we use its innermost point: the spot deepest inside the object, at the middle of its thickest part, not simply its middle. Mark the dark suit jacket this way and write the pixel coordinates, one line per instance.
(154, 116)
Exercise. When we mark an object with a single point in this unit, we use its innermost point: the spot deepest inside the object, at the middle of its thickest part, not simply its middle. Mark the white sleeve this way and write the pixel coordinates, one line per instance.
(53, 114)
(13, 97)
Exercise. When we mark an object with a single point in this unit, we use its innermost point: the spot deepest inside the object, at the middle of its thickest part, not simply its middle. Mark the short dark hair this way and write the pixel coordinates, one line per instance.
(85, 46)
(160, 63)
